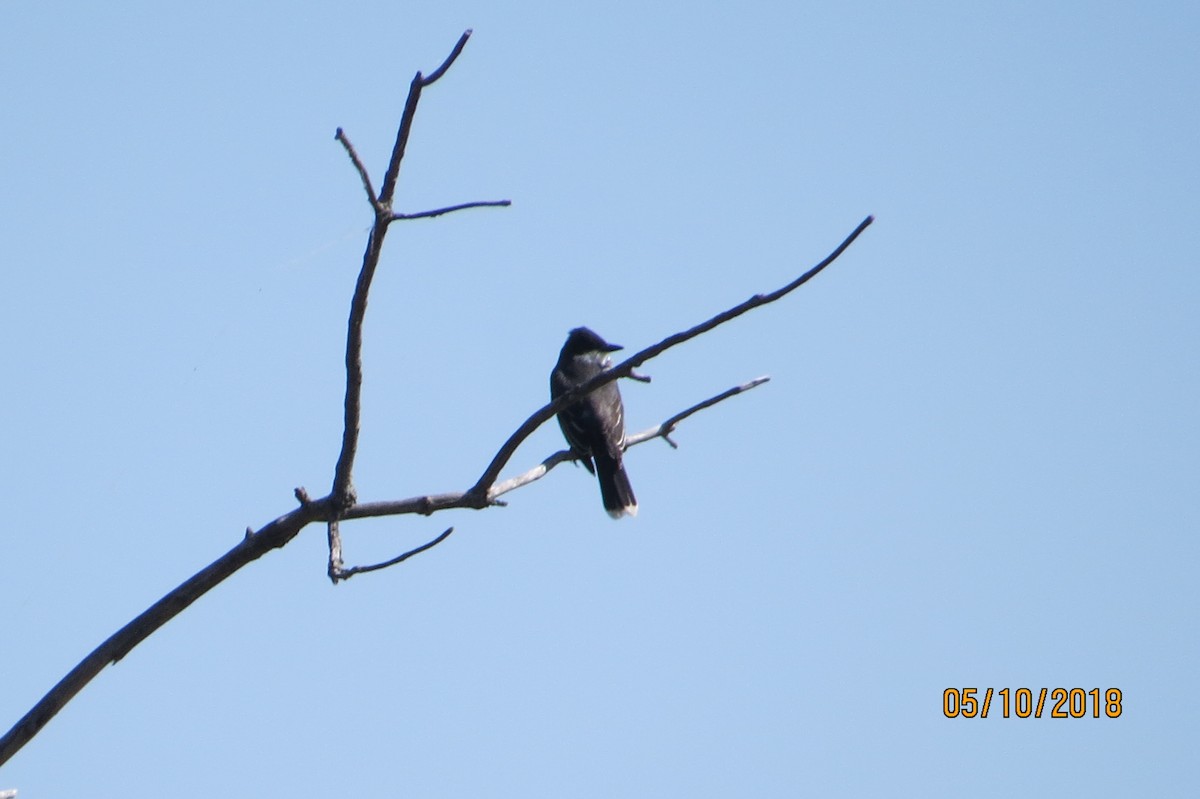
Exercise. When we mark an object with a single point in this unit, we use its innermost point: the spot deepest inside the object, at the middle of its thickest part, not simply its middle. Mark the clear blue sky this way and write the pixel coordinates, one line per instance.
(975, 465)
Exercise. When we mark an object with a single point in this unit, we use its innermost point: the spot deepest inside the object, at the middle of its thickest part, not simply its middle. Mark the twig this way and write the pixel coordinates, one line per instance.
(665, 429)
(452, 208)
(450, 59)
(358, 164)
(346, 574)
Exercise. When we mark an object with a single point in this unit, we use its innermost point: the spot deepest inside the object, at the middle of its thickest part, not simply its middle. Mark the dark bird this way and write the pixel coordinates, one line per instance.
(595, 425)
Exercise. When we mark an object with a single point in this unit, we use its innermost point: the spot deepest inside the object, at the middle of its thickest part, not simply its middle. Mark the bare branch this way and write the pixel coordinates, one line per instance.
(665, 429)
(639, 378)
(406, 120)
(402, 134)
(452, 208)
(277, 534)
(433, 503)
(272, 536)
(346, 574)
(637, 359)
(334, 534)
(450, 59)
(626, 367)
(250, 548)
(286, 527)
(658, 431)
(358, 164)
(282, 530)
(343, 488)
(341, 502)
(536, 473)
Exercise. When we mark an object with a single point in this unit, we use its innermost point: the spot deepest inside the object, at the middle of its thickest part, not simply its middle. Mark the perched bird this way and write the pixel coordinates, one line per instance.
(595, 425)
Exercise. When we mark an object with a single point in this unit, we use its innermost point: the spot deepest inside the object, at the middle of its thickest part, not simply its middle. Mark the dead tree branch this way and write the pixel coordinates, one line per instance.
(536, 473)
(343, 486)
(451, 209)
(662, 431)
(346, 574)
(410, 109)
(625, 368)
(282, 530)
(358, 164)
(342, 493)
(665, 429)
(341, 503)
(253, 546)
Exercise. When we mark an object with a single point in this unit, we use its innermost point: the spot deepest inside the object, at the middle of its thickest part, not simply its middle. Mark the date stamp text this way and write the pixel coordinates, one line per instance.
(1056, 703)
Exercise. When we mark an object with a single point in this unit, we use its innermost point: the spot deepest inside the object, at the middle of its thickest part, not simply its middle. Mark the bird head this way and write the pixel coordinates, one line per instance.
(585, 341)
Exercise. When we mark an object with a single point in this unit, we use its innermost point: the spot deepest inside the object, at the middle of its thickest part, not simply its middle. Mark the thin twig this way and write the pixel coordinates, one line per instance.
(346, 574)
(451, 208)
(665, 429)
(450, 59)
(358, 164)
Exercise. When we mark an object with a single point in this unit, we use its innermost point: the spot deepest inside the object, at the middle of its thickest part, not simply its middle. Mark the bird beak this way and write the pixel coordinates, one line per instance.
(613, 347)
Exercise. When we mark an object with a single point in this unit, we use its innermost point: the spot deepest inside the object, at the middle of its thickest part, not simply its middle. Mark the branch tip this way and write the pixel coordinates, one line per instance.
(345, 574)
(638, 377)
(395, 217)
(450, 59)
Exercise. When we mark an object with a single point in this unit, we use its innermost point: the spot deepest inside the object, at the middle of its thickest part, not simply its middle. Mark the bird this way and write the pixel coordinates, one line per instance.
(594, 426)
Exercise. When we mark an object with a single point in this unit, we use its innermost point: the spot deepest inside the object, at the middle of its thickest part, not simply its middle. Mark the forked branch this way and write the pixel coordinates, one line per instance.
(343, 487)
(625, 368)
(341, 503)
(283, 529)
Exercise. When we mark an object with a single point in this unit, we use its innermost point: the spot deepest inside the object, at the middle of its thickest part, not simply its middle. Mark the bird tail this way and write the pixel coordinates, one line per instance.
(615, 490)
